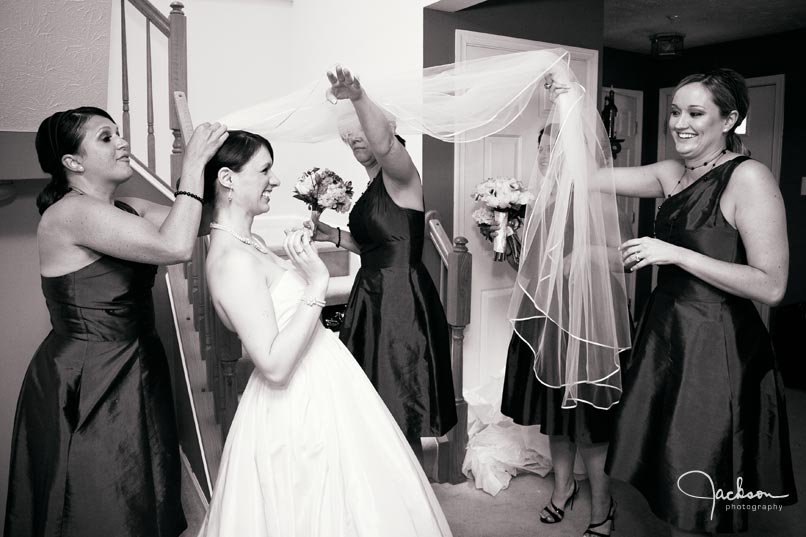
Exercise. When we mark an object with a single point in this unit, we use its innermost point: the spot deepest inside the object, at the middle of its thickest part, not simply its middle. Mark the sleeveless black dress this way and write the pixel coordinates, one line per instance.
(395, 325)
(530, 402)
(94, 449)
(702, 392)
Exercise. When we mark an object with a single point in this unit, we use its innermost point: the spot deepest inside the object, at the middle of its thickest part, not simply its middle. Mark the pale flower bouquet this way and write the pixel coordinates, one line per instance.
(503, 201)
(322, 189)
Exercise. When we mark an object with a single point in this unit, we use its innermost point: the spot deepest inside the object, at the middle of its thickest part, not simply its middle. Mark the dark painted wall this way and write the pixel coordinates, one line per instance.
(544, 20)
(752, 58)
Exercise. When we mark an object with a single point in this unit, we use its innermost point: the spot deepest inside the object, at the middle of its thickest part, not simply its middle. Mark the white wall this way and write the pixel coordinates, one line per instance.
(241, 52)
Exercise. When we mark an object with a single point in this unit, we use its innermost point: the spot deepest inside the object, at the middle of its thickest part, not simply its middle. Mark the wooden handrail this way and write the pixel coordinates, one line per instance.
(177, 81)
(454, 285)
(174, 27)
(152, 157)
(438, 236)
(151, 13)
(125, 71)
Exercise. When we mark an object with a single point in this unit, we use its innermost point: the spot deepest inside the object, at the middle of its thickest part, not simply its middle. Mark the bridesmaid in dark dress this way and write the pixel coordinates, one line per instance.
(94, 448)
(584, 428)
(703, 403)
(394, 325)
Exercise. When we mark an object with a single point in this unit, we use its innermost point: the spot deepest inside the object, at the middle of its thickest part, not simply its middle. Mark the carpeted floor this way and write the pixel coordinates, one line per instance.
(514, 512)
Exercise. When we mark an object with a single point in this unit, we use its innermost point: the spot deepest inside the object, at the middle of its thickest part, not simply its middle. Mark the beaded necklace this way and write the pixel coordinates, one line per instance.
(691, 168)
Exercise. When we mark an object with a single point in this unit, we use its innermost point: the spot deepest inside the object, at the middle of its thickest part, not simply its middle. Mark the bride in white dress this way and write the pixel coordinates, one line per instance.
(312, 450)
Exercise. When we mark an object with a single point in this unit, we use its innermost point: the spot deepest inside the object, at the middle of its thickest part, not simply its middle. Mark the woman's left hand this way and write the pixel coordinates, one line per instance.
(646, 251)
(343, 85)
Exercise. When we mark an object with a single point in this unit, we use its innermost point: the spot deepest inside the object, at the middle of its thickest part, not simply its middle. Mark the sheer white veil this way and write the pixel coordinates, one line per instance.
(569, 303)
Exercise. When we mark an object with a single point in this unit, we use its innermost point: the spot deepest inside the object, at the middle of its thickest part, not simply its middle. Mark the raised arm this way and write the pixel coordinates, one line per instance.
(752, 202)
(389, 152)
(156, 213)
(91, 223)
(240, 292)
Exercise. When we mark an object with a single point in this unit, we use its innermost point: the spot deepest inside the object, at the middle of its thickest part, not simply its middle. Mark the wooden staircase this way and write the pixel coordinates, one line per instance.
(209, 366)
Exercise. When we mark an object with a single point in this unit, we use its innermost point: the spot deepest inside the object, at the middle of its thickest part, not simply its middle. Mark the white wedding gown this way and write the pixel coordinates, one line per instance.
(320, 456)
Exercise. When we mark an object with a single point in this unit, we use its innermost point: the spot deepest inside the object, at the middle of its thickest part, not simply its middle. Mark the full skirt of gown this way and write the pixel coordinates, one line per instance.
(319, 456)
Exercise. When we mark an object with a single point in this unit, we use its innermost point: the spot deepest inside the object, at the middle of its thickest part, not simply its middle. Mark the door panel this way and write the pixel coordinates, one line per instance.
(511, 152)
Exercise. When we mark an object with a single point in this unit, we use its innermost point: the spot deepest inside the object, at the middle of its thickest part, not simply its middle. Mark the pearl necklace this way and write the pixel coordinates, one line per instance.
(253, 242)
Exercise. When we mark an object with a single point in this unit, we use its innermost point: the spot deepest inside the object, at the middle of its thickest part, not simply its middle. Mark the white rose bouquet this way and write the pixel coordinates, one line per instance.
(503, 200)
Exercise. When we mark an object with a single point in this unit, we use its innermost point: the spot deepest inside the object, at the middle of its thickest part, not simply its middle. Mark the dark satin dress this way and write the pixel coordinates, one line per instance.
(394, 324)
(530, 402)
(94, 449)
(702, 392)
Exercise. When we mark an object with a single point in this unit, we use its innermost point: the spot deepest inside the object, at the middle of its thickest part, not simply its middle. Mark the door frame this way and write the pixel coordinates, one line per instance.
(638, 95)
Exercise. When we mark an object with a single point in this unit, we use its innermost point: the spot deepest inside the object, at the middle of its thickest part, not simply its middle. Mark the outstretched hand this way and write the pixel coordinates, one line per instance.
(343, 84)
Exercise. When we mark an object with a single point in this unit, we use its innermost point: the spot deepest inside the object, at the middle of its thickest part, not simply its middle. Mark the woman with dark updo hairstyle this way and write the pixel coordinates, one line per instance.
(94, 449)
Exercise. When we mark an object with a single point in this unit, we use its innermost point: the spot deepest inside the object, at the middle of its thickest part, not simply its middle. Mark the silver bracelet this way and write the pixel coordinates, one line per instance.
(312, 302)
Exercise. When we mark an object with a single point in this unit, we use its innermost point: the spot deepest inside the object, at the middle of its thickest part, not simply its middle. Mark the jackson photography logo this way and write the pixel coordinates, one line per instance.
(732, 495)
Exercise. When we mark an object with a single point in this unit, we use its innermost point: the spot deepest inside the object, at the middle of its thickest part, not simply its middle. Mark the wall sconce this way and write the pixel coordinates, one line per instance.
(609, 115)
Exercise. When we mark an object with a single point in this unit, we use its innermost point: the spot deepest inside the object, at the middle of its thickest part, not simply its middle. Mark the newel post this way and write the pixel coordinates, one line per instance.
(177, 81)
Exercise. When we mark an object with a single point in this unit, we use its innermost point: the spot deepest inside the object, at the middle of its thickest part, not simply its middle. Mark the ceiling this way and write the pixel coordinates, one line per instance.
(628, 24)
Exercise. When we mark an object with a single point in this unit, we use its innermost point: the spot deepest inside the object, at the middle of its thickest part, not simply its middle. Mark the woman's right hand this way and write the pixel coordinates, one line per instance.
(343, 84)
(306, 259)
(203, 144)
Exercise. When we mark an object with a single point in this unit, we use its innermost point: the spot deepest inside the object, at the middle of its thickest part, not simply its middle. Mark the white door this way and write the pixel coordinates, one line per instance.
(510, 152)
(762, 132)
(629, 128)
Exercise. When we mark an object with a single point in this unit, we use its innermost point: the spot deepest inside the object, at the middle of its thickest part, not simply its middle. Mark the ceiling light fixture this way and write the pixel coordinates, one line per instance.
(667, 45)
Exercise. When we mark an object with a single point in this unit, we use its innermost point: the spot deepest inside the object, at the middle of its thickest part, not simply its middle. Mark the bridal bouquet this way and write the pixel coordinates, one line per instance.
(322, 189)
(503, 201)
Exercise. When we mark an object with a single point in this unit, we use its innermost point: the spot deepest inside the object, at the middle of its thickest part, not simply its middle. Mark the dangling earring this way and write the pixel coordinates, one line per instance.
(229, 194)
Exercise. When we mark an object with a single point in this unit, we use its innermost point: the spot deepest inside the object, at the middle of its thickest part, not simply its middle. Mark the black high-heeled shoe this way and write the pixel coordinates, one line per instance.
(555, 513)
(611, 517)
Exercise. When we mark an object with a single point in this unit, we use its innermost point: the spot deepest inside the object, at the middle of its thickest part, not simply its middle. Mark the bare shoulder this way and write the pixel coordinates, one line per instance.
(751, 181)
(230, 267)
(62, 215)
